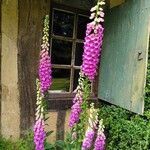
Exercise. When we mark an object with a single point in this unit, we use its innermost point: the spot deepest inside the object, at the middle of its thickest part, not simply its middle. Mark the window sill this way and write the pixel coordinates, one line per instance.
(63, 101)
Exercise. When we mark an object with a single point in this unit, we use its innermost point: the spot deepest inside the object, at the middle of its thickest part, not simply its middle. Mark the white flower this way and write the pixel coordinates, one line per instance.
(100, 13)
(93, 8)
(41, 116)
(99, 19)
(101, 3)
(92, 16)
(101, 9)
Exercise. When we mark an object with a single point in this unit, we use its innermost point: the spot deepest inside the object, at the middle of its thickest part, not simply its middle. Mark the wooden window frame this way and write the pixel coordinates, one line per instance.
(68, 95)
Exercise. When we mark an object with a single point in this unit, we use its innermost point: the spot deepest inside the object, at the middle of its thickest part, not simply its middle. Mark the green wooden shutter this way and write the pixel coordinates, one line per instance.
(124, 55)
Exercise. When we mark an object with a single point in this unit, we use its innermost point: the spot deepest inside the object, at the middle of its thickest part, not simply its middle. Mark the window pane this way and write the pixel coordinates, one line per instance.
(61, 52)
(82, 22)
(61, 80)
(78, 54)
(63, 23)
(76, 76)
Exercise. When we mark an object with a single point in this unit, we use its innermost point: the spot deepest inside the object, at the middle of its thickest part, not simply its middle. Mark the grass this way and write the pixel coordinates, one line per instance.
(61, 84)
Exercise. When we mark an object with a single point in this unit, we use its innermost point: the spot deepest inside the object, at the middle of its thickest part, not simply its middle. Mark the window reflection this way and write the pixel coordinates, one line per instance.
(61, 52)
(76, 76)
(81, 29)
(63, 23)
(61, 80)
(78, 54)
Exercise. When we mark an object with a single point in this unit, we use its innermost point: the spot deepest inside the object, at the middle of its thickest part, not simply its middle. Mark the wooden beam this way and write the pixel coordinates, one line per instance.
(31, 15)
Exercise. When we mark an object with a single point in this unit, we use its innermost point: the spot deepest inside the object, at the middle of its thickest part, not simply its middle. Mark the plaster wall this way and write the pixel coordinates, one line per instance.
(10, 113)
(52, 125)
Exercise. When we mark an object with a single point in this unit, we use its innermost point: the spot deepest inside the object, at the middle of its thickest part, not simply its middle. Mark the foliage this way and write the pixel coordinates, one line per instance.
(125, 130)
(25, 143)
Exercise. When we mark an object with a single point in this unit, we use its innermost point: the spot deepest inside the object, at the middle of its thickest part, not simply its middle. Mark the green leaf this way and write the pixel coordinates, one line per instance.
(49, 146)
(60, 144)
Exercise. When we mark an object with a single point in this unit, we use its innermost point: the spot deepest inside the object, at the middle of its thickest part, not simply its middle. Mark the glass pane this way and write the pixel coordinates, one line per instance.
(82, 22)
(63, 23)
(61, 52)
(61, 80)
(78, 54)
(76, 76)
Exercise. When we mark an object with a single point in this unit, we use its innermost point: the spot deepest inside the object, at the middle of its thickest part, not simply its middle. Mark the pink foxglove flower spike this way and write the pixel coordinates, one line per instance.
(89, 136)
(100, 140)
(39, 134)
(45, 60)
(91, 56)
(76, 108)
(93, 42)
(43, 84)
(92, 126)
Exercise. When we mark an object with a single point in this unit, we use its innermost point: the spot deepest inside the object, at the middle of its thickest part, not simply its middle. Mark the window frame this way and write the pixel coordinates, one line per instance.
(76, 11)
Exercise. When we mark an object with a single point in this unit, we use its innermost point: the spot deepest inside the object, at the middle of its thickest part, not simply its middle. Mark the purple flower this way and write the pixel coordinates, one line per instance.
(87, 142)
(39, 135)
(78, 97)
(45, 71)
(75, 114)
(43, 84)
(92, 50)
(45, 61)
(100, 142)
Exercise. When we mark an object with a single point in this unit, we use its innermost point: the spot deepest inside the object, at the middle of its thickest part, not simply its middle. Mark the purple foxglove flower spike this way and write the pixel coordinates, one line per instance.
(93, 42)
(100, 140)
(43, 84)
(39, 132)
(75, 109)
(39, 135)
(92, 49)
(45, 60)
(90, 58)
(89, 136)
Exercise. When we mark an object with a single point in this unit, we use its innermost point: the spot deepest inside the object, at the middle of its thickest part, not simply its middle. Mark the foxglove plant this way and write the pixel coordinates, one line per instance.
(91, 56)
(43, 84)
(93, 42)
(92, 126)
(45, 61)
(100, 140)
(89, 136)
(39, 133)
(76, 108)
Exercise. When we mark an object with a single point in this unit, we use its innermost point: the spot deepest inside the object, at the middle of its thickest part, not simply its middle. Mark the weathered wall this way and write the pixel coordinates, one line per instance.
(31, 14)
(58, 122)
(10, 112)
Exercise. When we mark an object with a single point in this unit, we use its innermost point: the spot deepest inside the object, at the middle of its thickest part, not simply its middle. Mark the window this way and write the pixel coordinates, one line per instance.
(68, 28)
